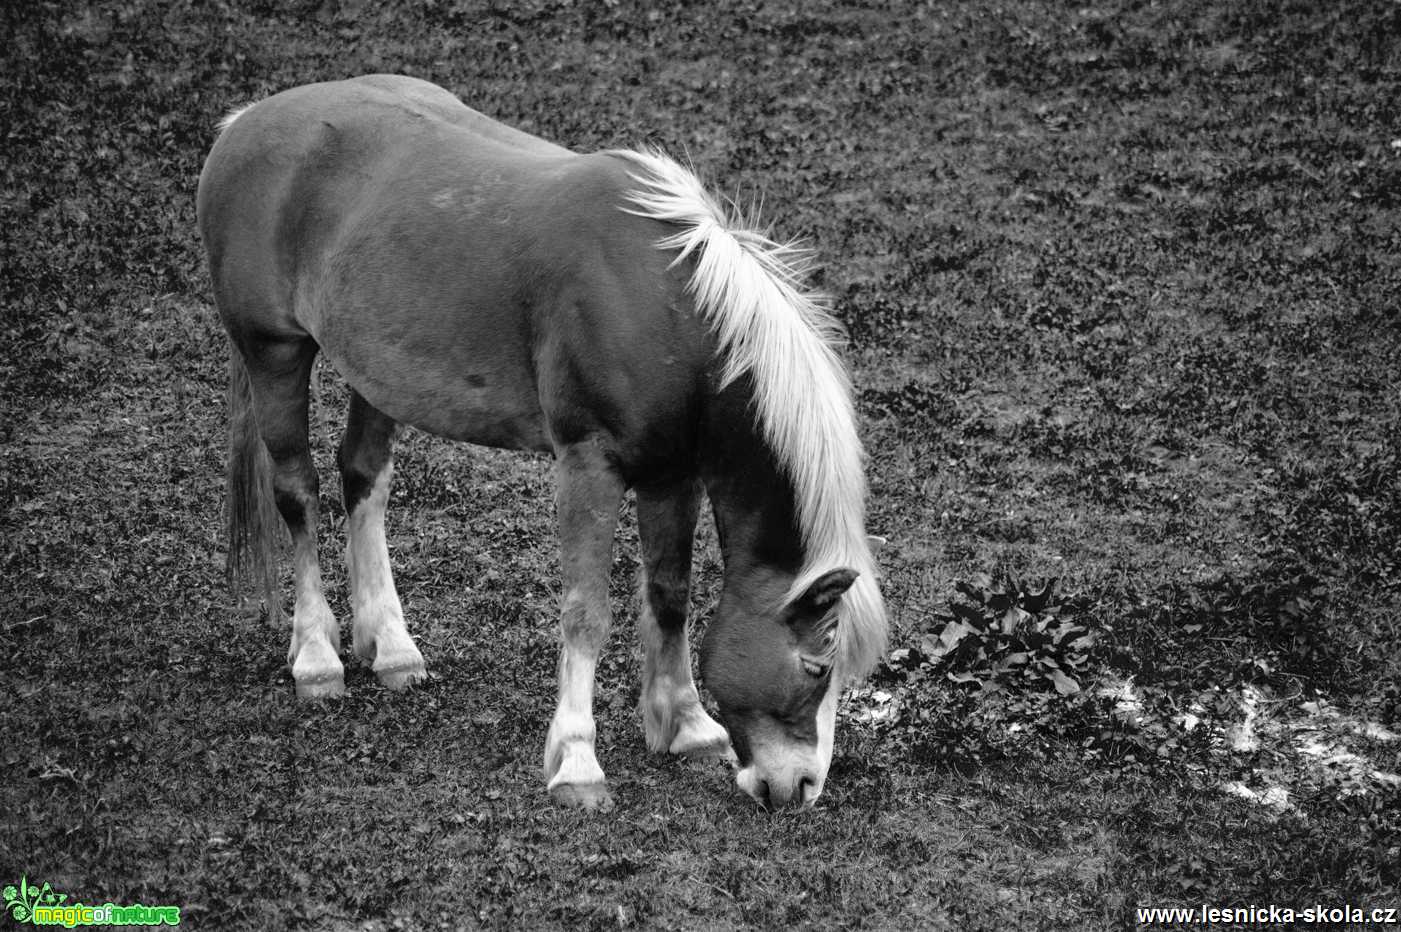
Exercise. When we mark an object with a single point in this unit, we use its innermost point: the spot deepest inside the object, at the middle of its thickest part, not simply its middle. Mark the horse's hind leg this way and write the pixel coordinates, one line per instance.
(379, 634)
(280, 372)
(588, 494)
(672, 717)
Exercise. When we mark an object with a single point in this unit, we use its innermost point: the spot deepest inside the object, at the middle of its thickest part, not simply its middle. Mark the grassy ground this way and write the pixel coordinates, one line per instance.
(1122, 282)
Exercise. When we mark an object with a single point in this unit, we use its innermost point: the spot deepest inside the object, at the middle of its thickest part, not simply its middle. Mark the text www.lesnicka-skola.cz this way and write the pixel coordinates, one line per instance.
(1206, 915)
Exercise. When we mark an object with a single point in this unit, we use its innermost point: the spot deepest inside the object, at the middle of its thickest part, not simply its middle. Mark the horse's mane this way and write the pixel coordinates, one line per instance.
(772, 327)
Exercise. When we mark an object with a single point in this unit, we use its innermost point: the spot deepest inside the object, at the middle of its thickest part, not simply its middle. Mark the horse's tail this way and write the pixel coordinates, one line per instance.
(253, 519)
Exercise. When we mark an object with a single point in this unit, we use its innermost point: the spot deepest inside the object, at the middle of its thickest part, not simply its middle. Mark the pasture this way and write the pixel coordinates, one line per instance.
(1123, 289)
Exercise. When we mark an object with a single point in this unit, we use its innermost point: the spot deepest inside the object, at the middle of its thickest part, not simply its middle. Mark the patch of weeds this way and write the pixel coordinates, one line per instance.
(1006, 635)
(998, 677)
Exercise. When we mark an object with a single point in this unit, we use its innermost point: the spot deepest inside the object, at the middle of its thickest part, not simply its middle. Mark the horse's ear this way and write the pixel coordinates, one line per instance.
(822, 594)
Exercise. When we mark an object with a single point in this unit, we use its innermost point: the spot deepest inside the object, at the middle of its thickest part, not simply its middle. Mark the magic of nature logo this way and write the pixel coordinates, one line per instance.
(44, 906)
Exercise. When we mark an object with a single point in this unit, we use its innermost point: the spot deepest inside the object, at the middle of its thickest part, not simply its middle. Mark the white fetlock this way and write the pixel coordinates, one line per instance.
(578, 780)
(397, 661)
(699, 735)
(577, 766)
(657, 725)
(673, 721)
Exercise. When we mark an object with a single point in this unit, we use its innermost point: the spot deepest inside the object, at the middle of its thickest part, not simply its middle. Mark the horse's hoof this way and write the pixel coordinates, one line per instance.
(591, 796)
(327, 686)
(402, 676)
(318, 671)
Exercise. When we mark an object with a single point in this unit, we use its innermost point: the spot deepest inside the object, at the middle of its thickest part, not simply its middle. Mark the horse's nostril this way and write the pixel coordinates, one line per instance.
(807, 790)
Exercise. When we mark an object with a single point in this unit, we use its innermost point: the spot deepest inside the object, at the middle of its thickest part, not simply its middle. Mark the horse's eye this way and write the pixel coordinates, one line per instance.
(813, 668)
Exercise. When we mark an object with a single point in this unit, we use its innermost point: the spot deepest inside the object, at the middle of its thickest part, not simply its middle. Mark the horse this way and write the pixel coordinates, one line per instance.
(480, 283)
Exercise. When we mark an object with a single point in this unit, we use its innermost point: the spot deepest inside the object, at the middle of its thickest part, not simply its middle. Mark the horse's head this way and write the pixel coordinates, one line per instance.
(769, 662)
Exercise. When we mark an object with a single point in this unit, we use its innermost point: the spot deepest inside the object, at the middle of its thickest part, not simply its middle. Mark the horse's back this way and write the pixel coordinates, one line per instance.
(463, 276)
(292, 171)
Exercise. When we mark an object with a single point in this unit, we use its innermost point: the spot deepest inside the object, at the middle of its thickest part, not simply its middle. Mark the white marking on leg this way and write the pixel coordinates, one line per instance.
(570, 746)
(380, 636)
(316, 667)
(569, 749)
(587, 496)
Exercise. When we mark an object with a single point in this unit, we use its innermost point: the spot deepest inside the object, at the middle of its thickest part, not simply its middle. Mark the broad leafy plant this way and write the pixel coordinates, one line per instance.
(1005, 634)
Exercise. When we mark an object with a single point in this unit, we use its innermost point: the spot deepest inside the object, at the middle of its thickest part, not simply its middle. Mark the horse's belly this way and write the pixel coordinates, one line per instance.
(463, 393)
(426, 323)
(475, 415)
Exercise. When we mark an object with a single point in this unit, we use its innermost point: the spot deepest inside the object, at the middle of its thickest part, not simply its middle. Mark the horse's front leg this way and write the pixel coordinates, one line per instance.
(672, 717)
(589, 491)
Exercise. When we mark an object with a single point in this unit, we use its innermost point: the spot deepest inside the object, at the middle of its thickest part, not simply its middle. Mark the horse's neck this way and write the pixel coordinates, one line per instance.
(753, 501)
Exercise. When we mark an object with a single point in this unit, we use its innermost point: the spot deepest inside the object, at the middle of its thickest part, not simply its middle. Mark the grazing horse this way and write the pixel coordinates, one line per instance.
(482, 284)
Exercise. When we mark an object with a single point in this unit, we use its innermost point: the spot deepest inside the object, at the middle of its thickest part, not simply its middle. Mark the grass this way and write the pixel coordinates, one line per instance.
(1122, 286)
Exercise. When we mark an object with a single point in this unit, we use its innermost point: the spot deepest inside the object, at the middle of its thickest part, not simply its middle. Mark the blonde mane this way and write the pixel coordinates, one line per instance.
(770, 326)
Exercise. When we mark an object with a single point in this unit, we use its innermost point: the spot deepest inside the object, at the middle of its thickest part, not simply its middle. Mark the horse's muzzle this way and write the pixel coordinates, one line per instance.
(783, 783)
